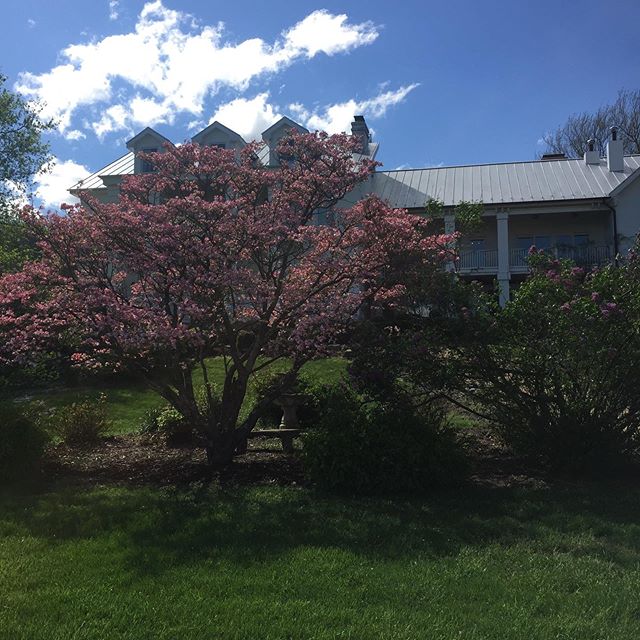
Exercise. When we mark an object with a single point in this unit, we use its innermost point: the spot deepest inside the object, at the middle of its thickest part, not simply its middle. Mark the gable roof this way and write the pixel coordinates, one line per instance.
(283, 122)
(219, 126)
(144, 132)
(511, 182)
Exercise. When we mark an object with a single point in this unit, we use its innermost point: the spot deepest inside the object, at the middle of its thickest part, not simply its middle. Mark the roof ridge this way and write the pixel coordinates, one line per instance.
(495, 164)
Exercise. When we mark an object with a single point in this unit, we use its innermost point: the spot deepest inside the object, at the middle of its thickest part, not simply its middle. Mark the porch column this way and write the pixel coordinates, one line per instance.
(450, 227)
(502, 221)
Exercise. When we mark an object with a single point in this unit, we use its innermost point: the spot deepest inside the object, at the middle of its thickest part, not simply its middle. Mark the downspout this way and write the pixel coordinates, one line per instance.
(615, 230)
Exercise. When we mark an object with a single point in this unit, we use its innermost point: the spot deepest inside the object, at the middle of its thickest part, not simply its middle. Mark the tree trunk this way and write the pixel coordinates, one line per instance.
(221, 449)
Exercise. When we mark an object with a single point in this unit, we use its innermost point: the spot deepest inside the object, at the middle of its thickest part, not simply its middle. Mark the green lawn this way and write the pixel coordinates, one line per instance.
(267, 563)
(128, 404)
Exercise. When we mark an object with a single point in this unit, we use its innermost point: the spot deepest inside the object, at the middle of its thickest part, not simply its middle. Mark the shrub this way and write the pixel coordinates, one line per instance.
(22, 443)
(361, 445)
(557, 372)
(172, 424)
(81, 423)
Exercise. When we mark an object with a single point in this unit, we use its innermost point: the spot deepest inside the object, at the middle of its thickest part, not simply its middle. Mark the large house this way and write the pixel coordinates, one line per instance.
(587, 209)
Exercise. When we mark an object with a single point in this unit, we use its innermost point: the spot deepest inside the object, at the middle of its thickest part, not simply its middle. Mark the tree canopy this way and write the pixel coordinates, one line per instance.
(212, 254)
(571, 137)
(22, 151)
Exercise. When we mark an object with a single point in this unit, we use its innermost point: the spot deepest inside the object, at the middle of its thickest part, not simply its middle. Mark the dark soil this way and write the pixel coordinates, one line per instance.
(147, 460)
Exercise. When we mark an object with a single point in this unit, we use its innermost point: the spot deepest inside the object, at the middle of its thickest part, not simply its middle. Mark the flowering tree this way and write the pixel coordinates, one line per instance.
(213, 255)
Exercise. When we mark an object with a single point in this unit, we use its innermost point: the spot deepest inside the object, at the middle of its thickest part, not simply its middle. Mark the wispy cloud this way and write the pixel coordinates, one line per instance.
(160, 65)
(113, 9)
(337, 117)
(31, 23)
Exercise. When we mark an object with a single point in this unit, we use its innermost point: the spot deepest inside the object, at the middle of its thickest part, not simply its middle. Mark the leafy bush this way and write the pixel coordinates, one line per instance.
(81, 423)
(22, 443)
(557, 372)
(172, 424)
(361, 445)
(148, 423)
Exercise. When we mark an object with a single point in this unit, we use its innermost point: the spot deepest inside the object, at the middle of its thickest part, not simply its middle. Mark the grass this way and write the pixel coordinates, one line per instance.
(276, 563)
(126, 405)
(273, 563)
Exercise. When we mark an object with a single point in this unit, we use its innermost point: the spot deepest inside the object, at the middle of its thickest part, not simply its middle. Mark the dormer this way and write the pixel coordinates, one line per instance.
(217, 135)
(275, 133)
(147, 141)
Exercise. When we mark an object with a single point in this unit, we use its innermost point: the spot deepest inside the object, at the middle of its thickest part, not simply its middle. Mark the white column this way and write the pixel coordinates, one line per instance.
(450, 227)
(502, 220)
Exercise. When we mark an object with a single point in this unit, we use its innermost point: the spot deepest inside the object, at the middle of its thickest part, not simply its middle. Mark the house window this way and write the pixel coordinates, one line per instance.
(524, 243)
(580, 240)
(147, 165)
(541, 243)
(220, 145)
(477, 245)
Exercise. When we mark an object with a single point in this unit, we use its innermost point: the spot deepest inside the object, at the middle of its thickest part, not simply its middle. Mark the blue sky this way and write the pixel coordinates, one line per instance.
(454, 82)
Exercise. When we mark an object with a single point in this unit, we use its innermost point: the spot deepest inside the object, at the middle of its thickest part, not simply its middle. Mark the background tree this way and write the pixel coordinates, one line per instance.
(213, 255)
(23, 154)
(572, 136)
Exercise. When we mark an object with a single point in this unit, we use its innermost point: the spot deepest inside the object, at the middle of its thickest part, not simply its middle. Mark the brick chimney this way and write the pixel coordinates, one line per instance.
(591, 156)
(615, 153)
(360, 130)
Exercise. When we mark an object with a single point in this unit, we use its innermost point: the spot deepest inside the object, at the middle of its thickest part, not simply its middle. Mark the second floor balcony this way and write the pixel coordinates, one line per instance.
(486, 261)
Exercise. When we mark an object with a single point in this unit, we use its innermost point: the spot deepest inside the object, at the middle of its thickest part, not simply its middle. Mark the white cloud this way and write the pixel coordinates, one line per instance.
(113, 9)
(178, 64)
(113, 119)
(337, 117)
(52, 186)
(249, 118)
(322, 31)
(31, 23)
(75, 134)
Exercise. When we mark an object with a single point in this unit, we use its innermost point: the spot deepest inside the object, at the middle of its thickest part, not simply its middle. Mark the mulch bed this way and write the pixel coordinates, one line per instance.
(146, 460)
(142, 460)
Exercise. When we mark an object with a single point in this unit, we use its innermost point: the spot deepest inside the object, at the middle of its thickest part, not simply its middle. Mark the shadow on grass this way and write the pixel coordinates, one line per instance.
(160, 529)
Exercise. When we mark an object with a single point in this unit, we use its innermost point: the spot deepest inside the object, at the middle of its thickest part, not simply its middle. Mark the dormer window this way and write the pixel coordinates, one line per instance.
(284, 155)
(147, 165)
(147, 141)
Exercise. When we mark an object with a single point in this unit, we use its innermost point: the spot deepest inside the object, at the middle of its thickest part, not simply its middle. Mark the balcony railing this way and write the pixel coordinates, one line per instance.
(587, 256)
(478, 260)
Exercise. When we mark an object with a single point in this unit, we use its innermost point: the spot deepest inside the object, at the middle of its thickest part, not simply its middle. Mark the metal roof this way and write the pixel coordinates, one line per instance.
(121, 166)
(512, 182)
(125, 166)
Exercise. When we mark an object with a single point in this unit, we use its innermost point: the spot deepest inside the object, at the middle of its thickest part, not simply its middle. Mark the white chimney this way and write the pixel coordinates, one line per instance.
(615, 153)
(591, 156)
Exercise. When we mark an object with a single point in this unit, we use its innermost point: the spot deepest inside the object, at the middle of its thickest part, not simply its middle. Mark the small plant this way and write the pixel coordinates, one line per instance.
(22, 443)
(149, 422)
(81, 423)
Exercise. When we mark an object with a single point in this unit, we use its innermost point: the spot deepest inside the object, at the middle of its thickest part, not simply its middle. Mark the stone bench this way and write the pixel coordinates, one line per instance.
(286, 437)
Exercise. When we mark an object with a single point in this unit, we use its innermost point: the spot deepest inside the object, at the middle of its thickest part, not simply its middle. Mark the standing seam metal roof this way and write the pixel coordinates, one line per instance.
(512, 182)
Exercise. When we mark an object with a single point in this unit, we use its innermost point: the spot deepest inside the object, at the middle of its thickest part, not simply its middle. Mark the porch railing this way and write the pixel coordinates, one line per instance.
(478, 260)
(585, 256)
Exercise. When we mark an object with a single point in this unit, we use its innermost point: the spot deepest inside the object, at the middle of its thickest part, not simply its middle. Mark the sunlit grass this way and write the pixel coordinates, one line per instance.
(127, 404)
